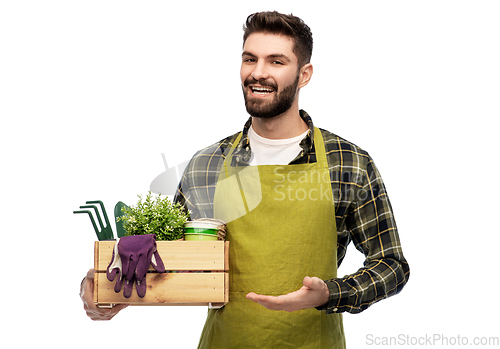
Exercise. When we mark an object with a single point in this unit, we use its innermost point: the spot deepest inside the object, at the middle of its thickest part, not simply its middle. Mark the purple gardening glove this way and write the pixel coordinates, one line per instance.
(131, 259)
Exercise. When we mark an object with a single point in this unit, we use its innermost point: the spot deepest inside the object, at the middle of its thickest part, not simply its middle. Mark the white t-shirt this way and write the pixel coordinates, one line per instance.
(273, 151)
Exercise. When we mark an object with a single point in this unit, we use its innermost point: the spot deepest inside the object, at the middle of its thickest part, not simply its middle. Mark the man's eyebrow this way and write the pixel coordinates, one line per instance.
(274, 55)
(246, 53)
(279, 55)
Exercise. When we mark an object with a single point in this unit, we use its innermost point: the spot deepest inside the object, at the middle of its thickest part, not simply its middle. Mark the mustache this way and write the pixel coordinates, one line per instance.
(261, 82)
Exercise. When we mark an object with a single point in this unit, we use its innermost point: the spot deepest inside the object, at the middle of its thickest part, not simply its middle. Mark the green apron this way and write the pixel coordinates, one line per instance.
(281, 225)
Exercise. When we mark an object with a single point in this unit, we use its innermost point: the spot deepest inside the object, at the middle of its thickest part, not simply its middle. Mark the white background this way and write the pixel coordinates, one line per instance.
(92, 92)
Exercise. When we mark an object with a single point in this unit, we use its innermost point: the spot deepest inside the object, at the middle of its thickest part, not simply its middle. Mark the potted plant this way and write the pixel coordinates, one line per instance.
(157, 216)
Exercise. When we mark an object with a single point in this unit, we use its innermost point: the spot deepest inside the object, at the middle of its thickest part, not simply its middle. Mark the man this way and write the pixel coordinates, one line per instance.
(294, 196)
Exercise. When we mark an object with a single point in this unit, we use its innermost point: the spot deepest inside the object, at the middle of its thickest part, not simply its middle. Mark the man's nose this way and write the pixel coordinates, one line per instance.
(260, 72)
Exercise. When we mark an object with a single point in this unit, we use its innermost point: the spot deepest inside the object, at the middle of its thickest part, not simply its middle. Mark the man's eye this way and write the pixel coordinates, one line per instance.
(249, 60)
(277, 62)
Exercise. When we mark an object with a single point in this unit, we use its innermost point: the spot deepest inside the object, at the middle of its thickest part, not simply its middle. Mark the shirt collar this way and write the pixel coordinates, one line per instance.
(243, 152)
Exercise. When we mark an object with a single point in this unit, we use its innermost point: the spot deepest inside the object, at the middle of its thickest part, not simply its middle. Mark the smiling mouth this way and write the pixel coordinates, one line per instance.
(261, 91)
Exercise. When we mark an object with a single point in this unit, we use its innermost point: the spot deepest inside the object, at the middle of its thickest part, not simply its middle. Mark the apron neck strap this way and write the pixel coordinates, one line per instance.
(319, 147)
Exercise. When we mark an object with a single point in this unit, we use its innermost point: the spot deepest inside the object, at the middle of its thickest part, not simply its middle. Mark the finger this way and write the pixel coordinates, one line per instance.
(313, 283)
(87, 296)
(96, 313)
(87, 286)
(270, 302)
(259, 298)
(103, 314)
(308, 282)
(251, 296)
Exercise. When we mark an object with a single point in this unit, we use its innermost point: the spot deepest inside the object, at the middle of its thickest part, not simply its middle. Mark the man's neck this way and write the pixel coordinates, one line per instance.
(283, 126)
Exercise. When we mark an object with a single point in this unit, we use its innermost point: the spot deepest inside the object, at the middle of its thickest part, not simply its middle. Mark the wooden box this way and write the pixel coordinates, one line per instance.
(207, 283)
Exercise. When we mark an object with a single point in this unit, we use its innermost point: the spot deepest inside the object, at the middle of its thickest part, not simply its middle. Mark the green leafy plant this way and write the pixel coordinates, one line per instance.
(155, 216)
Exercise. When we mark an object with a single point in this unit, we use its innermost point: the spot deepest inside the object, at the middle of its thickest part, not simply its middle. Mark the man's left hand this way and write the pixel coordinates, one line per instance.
(313, 294)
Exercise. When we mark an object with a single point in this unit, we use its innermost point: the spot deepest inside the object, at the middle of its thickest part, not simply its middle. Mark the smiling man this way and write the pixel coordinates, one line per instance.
(285, 249)
(270, 80)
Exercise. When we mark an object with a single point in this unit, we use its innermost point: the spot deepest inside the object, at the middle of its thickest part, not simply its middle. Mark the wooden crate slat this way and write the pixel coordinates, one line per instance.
(176, 255)
(168, 288)
(198, 288)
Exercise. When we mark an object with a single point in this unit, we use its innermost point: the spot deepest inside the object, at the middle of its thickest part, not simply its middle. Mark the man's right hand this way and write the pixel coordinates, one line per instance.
(87, 296)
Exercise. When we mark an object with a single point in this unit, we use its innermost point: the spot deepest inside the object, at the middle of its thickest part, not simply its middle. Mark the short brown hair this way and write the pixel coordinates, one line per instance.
(289, 25)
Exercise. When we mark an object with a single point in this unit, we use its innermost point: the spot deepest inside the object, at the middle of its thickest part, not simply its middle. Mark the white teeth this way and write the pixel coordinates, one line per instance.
(262, 90)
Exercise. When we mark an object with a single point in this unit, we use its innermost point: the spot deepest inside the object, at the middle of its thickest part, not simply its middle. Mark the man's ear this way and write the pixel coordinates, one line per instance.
(305, 75)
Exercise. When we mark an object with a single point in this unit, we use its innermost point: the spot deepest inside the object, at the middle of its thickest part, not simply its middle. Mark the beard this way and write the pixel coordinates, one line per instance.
(281, 102)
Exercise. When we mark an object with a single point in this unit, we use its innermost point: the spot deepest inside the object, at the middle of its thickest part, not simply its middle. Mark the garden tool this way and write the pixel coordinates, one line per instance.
(120, 230)
(106, 232)
(132, 256)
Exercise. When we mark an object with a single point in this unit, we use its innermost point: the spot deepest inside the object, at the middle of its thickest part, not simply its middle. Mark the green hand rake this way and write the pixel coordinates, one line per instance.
(106, 232)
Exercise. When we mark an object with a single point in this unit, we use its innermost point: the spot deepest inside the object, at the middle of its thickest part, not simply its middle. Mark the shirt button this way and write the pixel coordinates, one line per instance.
(335, 309)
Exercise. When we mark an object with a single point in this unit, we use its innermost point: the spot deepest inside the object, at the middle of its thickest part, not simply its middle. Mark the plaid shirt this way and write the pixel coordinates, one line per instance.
(362, 210)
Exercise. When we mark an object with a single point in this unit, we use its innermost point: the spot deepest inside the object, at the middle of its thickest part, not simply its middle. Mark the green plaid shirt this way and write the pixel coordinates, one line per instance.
(362, 210)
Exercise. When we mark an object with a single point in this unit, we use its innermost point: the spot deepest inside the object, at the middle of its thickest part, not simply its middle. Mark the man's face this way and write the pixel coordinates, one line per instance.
(269, 74)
